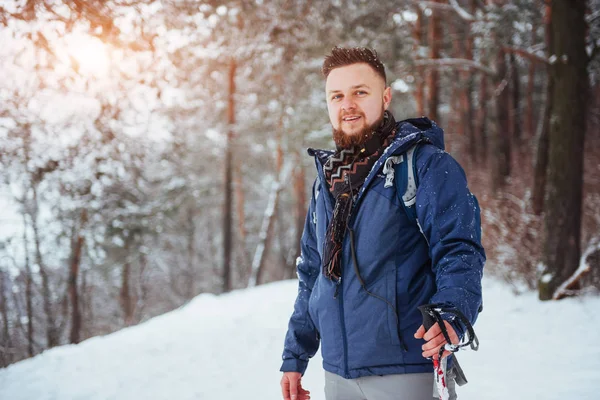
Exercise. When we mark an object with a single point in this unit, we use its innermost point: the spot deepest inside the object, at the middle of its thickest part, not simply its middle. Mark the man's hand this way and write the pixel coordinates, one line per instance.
(435, 339)
(291, 387)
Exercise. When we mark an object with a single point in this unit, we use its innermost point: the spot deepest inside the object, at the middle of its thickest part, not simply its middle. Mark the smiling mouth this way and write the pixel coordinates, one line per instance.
(351, 118)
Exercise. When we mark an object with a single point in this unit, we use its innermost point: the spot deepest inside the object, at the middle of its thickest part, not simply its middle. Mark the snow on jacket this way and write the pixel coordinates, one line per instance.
(360, 334)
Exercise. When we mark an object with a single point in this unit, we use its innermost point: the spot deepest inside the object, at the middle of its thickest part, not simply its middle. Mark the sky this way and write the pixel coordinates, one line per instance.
(229, 347)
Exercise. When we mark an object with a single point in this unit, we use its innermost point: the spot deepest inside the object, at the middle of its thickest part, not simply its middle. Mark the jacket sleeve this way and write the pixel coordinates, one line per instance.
(302, 338)
(449, 216)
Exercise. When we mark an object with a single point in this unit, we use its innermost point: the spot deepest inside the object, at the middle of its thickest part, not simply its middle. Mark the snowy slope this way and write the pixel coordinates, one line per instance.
(229, 347)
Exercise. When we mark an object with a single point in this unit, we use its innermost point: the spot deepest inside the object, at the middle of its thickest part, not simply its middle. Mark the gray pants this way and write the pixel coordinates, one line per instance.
(387, 387)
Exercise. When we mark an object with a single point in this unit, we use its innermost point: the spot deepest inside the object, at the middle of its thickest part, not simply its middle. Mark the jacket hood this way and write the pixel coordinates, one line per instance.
(423, 127)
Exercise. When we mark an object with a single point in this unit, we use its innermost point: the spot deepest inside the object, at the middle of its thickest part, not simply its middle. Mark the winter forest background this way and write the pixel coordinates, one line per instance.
(151, 151)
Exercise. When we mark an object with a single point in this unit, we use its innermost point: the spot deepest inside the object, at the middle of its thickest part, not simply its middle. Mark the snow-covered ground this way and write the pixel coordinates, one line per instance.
(229, 347)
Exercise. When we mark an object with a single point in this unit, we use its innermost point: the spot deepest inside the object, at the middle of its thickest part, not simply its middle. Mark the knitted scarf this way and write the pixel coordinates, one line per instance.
(346, 171)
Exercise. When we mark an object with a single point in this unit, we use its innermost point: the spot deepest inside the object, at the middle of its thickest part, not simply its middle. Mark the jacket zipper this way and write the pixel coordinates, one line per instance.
(345, 340)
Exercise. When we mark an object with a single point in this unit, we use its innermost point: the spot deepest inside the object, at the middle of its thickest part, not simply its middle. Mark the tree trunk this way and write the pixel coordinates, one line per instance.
(77, 243)
(28, 289)
(516, 133)
(433, 76)
(419, 78)
(126, 298)
(51, 329)
(142, 298)
(500, 139)
(190, 268)
(86, 309)
(481, 131)
(6, 350)
(562, 221)
(468, 114)
(541, 159)
(529, 123)
(240, 200)
(457, 85)
(228, 206)
(64, 308)
(504, 121)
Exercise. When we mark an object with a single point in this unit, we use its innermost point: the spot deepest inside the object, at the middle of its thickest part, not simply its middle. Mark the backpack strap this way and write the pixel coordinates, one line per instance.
(316, 191)
(401, 171)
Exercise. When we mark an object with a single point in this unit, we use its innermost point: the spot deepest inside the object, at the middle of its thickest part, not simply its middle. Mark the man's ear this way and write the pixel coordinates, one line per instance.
(387, 97)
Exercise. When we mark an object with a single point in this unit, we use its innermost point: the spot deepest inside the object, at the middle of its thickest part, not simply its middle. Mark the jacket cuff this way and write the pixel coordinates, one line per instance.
(294, 365)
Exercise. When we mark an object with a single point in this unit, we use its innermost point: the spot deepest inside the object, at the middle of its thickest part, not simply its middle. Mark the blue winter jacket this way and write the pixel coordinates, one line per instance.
(360, 334)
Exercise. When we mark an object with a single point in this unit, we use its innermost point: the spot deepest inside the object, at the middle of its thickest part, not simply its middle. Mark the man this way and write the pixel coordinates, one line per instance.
(365, 267)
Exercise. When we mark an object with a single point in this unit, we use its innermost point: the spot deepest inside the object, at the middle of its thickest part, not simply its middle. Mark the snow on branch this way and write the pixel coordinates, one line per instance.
(590, 18)
(455, 62)
(565, 289)
(526, 54)
(433, 4)
(461, 11)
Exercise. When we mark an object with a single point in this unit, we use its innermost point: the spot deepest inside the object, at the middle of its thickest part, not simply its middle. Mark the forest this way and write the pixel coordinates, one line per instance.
(151, 151)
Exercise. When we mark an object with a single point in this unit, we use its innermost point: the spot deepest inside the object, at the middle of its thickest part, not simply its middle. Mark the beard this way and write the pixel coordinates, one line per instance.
(358, 139)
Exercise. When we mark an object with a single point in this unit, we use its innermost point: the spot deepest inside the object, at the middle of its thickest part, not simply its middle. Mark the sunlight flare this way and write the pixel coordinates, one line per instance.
(88, 55)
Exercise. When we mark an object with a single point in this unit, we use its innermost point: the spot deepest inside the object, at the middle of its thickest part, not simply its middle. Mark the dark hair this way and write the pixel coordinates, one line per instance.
(342, 56)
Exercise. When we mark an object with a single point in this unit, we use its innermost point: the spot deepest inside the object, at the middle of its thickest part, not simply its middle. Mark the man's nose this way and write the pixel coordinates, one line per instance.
(348, 104)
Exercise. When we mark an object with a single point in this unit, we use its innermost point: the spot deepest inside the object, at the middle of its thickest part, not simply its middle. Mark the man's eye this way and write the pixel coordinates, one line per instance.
(335, 97)
(361, 92)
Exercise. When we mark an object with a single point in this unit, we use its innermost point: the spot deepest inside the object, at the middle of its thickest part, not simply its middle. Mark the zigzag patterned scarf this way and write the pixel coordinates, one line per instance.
(346, 171)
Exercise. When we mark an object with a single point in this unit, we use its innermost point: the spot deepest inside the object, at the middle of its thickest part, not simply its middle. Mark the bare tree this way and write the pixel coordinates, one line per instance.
(228, 184)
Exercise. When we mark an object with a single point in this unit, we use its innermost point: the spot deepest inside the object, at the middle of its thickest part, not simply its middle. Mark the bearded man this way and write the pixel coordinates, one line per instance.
(365, 266)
